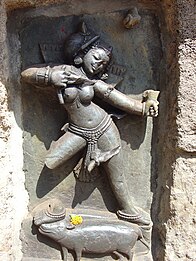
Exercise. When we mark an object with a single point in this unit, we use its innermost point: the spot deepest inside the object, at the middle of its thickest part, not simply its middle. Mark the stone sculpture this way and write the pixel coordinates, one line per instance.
(92, 130)
(89, 125)
(94, 233)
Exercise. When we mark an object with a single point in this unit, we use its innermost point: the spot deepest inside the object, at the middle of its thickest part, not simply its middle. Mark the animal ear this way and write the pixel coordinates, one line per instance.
(70, 226)
(78, 60)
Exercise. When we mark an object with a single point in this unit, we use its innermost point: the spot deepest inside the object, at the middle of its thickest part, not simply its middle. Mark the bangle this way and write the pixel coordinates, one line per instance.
(43, 76)
(108, 92)
(46, 76)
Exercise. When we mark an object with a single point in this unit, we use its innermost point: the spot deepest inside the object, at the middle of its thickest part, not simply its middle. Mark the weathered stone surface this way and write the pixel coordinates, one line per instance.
(174, 198)
(6, 194)
(186, 119)
(15, 4)
(176, 171)
(12, 193)
(42, 111)
(181, 227)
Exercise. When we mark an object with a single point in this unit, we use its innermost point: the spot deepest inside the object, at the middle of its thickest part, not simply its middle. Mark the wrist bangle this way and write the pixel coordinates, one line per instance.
(46, 80)
(43, 76)
(48, 74)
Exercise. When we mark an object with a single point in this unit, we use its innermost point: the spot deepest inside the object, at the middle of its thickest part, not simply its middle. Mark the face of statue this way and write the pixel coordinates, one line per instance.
(95, 60)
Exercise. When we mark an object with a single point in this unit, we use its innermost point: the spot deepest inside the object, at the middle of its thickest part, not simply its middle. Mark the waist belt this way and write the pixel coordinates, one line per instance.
(91, 136)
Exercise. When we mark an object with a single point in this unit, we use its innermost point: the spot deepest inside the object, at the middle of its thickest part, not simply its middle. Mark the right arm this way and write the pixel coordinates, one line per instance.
(42, 75)
(58, 76)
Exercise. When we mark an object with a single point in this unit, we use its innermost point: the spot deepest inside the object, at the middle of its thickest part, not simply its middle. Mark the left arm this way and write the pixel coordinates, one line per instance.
(126, 103)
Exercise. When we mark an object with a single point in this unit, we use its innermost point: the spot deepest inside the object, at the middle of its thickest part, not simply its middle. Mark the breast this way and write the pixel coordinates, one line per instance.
(86, 94)
(70, 94)
(82, 94)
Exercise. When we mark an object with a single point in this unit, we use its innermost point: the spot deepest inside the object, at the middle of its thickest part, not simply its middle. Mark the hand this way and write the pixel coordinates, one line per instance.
(151, 108)
(151, 103)
(60, 78)
(75, 77)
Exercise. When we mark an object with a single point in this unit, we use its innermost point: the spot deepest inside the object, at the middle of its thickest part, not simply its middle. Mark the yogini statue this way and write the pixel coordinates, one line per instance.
(90, 127)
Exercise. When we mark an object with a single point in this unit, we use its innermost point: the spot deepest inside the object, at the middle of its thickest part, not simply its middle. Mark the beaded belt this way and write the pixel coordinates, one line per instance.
(91, 135)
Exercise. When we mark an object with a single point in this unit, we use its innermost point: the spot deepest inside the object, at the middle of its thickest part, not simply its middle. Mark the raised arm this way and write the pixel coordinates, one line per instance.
(148, 107)
(54, 75)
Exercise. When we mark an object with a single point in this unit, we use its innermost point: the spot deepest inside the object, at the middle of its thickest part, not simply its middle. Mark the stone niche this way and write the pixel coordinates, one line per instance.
(36, 36)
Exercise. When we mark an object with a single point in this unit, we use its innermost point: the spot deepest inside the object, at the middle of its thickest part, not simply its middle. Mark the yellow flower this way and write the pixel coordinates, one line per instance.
(76, 219)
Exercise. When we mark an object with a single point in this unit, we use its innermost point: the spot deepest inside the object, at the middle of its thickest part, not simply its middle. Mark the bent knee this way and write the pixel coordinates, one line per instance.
(52, 162)
(63, 149)
(56, 158)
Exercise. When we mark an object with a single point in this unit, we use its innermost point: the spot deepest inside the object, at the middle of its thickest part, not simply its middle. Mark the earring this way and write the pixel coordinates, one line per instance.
(78, 60)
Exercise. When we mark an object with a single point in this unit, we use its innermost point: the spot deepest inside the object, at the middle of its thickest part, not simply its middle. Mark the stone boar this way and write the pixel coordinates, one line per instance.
(93, 235)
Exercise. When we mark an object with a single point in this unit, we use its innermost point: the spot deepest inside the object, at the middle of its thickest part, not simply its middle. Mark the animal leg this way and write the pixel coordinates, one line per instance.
(65, 252)
(78, 254)
(118, 255)
(130, 255)
(124, 254)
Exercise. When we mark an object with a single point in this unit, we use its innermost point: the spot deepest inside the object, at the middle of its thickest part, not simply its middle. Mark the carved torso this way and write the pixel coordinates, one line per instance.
(80, 108)
(84, 94)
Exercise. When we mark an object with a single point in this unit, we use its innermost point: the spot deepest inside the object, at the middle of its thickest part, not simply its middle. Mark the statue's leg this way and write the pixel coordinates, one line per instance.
(114, 167)
(63, 149)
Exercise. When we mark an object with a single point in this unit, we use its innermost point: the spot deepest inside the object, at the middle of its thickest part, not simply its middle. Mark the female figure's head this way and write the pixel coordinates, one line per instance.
(83, 49)
(95, 60)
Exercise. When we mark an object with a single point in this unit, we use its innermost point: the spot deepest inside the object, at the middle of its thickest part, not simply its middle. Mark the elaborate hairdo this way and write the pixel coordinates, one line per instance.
(78, 44)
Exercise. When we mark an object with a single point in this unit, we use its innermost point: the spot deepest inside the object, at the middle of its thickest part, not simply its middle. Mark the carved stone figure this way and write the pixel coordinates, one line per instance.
(95, 233)
(90, 127)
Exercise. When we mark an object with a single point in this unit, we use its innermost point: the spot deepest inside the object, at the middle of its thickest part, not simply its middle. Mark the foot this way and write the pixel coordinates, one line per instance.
(138, 218)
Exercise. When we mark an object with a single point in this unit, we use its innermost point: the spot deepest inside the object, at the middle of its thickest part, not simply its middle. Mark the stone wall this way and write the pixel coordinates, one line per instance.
(174, 198)
(177, 183)
(14, 198)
